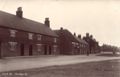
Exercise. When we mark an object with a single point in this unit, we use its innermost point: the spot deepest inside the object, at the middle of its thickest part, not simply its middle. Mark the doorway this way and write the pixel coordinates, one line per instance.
(45, 49)
(50, 51)
(30, 50)
(22, 49)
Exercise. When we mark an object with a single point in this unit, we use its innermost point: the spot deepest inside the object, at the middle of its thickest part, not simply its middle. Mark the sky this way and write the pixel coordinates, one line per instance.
(101, 18)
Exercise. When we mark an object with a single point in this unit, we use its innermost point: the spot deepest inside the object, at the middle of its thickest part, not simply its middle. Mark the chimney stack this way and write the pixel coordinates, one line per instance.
(47, 22)
(91, 36)
(74, 34)
(87, 34)
(19, 12)
(61, 28)
(79, 36)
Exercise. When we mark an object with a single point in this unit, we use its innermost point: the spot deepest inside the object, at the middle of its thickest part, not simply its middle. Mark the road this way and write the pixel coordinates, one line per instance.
(20, 63)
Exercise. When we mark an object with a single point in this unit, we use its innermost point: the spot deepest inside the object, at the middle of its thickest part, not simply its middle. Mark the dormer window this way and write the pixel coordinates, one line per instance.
(30, 36)
(55, 40)
(12, 33)
(39, 37)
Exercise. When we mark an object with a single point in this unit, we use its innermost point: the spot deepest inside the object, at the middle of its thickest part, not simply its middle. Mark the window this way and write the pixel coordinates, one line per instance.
(54, 48)
(30, 36)
(39, 37)
(39, 46)
(73, 43)
(13, 45)
(13, 33)
(55, 40)
(77, 44)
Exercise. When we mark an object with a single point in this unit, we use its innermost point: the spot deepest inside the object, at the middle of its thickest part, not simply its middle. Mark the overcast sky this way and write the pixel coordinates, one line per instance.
(98, 17)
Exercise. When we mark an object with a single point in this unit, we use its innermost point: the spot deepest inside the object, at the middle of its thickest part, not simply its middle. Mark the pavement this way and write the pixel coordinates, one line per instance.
(21, 63)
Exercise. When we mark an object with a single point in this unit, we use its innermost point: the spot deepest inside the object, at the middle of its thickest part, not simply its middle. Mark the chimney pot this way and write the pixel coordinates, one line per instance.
(74, 34)
(87, 34)
(61, 28)
(79, 36)
(91, 36)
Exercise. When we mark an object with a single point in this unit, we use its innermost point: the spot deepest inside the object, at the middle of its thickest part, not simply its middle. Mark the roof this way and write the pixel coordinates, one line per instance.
(81, 40)
(67, 34)
(12, 21)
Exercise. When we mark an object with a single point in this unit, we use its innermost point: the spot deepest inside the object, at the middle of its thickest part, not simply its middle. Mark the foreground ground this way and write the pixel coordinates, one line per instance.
(109, 68)
(29, 62)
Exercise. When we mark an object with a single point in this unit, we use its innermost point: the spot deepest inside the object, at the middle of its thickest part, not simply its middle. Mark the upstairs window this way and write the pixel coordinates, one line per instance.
(12, 33)
(73, 43)
(13, 45)
(77, 44)
(39, 37)
(30, 36)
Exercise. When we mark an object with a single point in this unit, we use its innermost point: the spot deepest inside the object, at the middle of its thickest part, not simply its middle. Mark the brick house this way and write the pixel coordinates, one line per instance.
(70, 44)
(83, 47)
(93, 44)
(20, 36)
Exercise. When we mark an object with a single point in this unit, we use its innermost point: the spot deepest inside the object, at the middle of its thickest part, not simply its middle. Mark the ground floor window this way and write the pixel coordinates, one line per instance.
(13, 45)
(39, 47)
(54, 48)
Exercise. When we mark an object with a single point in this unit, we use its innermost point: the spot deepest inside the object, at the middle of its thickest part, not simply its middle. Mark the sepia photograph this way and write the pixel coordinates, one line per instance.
(59, 38)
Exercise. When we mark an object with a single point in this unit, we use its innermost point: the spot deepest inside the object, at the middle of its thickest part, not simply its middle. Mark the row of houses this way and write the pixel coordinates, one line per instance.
(20, 36)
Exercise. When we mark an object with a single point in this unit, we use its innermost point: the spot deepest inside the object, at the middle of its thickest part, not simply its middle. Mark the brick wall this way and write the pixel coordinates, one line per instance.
(22, 38)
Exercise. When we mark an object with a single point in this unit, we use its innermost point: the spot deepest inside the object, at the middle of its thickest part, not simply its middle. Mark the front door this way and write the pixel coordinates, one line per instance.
(22, 49)
(30, 50)
(45, 49)
(50, 50)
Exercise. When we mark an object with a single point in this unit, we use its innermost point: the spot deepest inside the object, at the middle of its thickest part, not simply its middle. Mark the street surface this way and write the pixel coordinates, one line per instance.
(20, 63)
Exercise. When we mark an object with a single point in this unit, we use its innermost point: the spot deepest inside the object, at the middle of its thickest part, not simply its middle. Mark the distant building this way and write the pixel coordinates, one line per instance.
(70, 44)
(83, 47)
(93, 44)
(22, 37)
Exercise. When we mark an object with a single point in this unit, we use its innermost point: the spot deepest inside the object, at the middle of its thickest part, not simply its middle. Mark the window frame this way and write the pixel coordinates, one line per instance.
(39, 47)
(39, 37)
(13, 45)
(12, 33)
(55, 40)
(30, 36)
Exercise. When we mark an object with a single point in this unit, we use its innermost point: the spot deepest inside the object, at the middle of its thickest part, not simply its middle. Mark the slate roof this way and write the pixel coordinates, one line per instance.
(66, 34)
(81, 40)
(12, 21)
